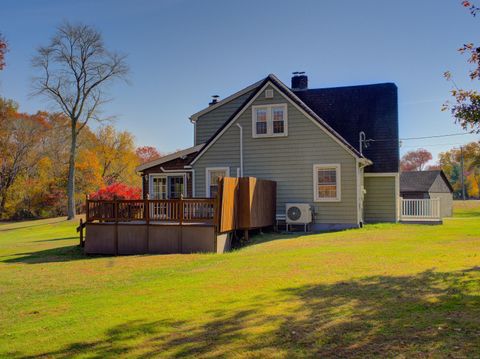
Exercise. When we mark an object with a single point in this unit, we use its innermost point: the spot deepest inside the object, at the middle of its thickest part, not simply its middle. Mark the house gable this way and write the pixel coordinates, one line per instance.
(287, 160)
(441, 184)
(272, 83)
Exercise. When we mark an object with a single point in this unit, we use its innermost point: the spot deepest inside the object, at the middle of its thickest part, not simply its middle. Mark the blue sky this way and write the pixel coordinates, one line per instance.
(181, 52)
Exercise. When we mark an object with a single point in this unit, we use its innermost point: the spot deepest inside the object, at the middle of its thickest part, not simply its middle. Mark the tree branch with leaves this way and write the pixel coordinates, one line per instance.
(466, 106)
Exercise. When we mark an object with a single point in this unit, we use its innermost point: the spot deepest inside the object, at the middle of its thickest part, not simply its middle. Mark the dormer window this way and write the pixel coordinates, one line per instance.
(269, 120)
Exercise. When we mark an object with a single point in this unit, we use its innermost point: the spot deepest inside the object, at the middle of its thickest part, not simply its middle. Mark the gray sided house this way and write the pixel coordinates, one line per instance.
(428, 184)
(334, 148)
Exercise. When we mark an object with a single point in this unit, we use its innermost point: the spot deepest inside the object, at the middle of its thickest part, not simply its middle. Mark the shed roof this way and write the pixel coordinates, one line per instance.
(421, 181)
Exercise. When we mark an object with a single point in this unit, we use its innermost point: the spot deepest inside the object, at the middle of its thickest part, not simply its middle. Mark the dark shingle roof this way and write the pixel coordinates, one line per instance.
(420, 181)
(369, 108)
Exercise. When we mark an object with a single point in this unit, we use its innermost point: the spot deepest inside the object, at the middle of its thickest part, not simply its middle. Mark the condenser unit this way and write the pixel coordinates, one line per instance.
(298, 213)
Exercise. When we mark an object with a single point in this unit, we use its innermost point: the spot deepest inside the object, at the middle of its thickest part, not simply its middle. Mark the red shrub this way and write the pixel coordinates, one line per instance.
(119, 191)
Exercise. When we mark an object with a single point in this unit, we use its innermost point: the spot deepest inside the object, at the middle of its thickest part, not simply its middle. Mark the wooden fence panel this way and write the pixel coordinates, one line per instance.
(262, 203)
(246, 203)
(228, 187)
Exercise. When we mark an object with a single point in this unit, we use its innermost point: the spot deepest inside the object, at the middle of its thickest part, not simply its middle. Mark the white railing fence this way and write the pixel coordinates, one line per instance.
(420, 209)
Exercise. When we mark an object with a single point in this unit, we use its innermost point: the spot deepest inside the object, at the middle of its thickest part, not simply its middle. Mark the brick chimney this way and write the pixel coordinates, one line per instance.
(299, 81)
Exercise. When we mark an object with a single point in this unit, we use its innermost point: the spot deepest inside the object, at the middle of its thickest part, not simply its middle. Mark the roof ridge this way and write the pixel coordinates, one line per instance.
(347, 86)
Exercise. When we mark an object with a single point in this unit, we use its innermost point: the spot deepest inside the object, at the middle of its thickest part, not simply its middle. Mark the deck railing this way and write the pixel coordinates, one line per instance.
(162, 210)
(420, 209)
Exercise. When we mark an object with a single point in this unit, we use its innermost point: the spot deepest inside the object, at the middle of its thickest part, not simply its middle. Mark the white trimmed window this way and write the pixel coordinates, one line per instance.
(326, 183)
(269, 120)
(212, 175)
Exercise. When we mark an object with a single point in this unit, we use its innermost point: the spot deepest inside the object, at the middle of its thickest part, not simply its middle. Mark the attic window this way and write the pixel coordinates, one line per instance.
(269, 121)
(269, 93)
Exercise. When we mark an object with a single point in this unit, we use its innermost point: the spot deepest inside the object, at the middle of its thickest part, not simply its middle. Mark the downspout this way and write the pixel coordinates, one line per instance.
(360, 194)
(193, 183)
(241, 149)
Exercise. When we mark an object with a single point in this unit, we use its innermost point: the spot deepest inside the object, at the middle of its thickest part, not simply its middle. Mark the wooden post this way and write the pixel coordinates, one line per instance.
(87, 209)
(146, 209)
(115, 210)
(181, 209)
(82, 244)
(181, 222)
(217, 207)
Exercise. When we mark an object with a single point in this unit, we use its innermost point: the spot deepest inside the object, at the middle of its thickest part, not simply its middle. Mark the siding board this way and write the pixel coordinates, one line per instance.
(209, 123)
(380, 199)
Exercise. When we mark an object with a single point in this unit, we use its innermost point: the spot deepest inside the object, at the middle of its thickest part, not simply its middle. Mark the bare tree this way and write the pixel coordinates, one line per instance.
(75, 69)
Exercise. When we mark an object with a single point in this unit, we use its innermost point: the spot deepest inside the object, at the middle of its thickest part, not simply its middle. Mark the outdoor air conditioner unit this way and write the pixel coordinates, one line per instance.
(298, 213)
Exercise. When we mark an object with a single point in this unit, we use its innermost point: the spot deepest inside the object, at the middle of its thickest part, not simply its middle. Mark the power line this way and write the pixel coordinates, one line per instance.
(435, 144)
(435, 136)
(419, 138)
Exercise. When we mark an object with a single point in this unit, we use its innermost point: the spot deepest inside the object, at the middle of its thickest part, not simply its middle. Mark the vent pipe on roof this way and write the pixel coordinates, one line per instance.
(299, 81)
(214, 100)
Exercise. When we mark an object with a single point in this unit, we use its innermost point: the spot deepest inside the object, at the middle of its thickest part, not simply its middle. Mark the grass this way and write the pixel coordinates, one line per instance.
(384, 290)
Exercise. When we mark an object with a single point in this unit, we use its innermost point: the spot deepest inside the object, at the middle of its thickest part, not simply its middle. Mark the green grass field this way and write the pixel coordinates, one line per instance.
(386, 290)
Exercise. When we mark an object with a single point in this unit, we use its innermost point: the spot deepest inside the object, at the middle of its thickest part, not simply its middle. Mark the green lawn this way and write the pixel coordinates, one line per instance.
(384, 290)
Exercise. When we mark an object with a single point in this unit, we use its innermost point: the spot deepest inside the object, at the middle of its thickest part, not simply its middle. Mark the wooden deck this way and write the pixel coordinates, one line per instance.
(183, 225)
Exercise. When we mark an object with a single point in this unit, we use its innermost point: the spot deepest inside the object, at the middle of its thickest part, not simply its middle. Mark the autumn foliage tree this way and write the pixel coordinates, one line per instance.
(34, 157)
(451, 163)
(20, 141)
(117, 155)
(117, 191)
(415, 160)
(147, 153)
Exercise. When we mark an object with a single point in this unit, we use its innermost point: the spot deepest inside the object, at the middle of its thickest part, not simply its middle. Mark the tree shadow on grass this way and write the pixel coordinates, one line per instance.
(57, 254)
(431, 314)
(55, 239)
(4, 227)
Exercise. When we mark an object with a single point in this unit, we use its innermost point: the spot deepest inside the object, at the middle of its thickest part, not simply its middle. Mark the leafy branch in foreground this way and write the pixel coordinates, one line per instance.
(466, 106)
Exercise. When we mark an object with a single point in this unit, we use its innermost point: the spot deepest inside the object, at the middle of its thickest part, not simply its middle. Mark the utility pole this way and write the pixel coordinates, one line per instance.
(461, 165)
